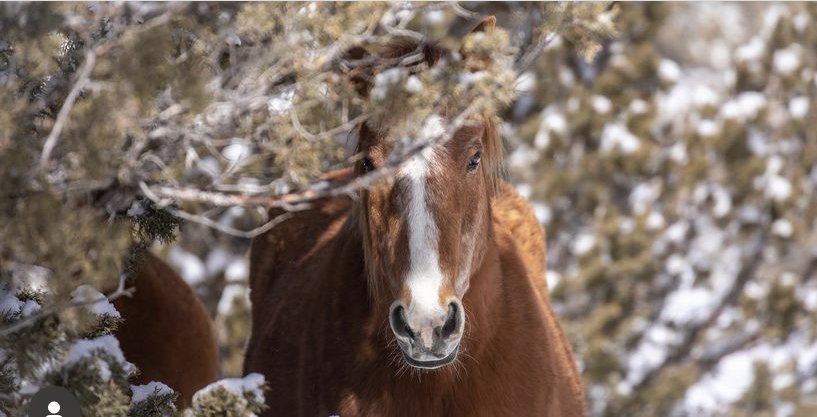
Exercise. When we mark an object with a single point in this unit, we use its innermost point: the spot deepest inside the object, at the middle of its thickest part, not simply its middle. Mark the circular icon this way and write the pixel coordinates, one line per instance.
(53, 401)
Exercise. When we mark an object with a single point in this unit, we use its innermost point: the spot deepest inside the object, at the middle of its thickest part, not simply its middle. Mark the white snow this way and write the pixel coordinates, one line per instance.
(471, 78)
(524, 190)
(552, 120)
(281, 103)
(552, 277)
(777, 188)
(522, 157)
(250, 385)
(723, 201)
(543, 212)
(644, 195)
(782, 228)
(786, 61)
(433, 128)
(708, 128)
(688, 305)
(655, 221)
(237, 270)
(236, 152)
(434, 17)
(651, 352)
(414, 85)
(745, 106)
(136, 209)
(9, 304)
(583, 244)
(230, 292)
(668, 70)
(617, 136)
(678, 153)
(798, 107)
(385, 81)
(601, 104)
(526, 82)
(142, 392)
(638, 106)
(677, 231)
(85, 348)
(752, 51)
(97, 303)
(217, 260)
(189, 266)
(703, 95)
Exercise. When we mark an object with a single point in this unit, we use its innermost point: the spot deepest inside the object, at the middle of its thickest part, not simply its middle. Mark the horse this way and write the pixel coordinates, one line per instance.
(424, 295)
(166, 330)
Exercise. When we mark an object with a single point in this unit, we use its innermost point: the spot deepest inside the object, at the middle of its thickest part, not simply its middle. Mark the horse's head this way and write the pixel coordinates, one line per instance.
(426, 230)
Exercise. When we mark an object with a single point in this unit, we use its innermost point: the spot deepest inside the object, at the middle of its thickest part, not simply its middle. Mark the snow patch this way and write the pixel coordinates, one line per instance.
(190, 267)
(782, 228)
(142, 392)
(94, 301)
(236, 152)
(414, 85)
(786, 61)
(230, 292)
(668, 70)
(751, 52)
(798, 107)
(745, 106)
(250, 385)
(526, 82)
(385, 81)
(583, 244)
(617, 136)
(86, 348)
(281, 103)
(601, 104)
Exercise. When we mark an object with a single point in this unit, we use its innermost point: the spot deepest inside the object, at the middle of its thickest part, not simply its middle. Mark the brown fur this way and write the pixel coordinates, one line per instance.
(326, 349)
(166, 331)
(323, 281)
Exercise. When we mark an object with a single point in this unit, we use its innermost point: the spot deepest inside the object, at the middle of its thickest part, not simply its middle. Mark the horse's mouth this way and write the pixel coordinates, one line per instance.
(431, 364)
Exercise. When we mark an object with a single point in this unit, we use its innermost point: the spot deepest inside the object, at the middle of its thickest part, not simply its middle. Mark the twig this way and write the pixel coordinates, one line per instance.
(67, 105)
(163, 195)
(246, 234)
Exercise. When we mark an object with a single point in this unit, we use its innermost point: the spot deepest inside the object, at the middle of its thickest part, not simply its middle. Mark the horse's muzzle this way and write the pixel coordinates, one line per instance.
(428, 342)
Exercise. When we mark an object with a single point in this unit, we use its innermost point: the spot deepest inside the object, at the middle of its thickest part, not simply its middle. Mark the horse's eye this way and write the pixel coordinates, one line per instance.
(474, 162)
(368, 165)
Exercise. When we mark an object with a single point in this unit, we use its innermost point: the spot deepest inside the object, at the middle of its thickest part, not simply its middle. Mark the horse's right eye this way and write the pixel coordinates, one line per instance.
(368, 165)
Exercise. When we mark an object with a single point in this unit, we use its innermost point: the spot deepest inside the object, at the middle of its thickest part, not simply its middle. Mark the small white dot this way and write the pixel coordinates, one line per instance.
(53, 407)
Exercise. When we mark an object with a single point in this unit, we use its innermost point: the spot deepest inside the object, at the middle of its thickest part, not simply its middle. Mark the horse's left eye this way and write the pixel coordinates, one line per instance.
(474, 162)
(368, 165)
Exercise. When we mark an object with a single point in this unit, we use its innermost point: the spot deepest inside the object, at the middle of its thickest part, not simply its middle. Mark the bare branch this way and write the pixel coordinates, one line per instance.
(248, 234)
(67, 105)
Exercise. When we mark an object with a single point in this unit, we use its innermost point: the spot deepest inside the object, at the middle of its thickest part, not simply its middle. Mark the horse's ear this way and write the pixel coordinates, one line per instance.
(352, 65)
(486, 25)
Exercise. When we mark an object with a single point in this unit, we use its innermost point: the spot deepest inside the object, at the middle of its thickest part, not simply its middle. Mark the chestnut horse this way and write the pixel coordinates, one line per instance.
(166, 330)
(424, 296)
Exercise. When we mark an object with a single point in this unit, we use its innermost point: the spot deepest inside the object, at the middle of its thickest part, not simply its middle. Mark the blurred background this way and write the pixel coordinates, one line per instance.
(669, 149)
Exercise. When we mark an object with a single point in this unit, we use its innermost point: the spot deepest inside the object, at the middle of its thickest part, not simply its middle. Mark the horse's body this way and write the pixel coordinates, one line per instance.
(423, 296)
(326, 350)
(166, 331)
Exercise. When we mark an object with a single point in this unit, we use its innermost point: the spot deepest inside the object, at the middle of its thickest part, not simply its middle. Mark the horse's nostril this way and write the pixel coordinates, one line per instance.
(450, 321)
(399, 322)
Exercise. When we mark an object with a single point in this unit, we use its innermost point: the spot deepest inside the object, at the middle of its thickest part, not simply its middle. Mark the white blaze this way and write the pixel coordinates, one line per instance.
(425, 278)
